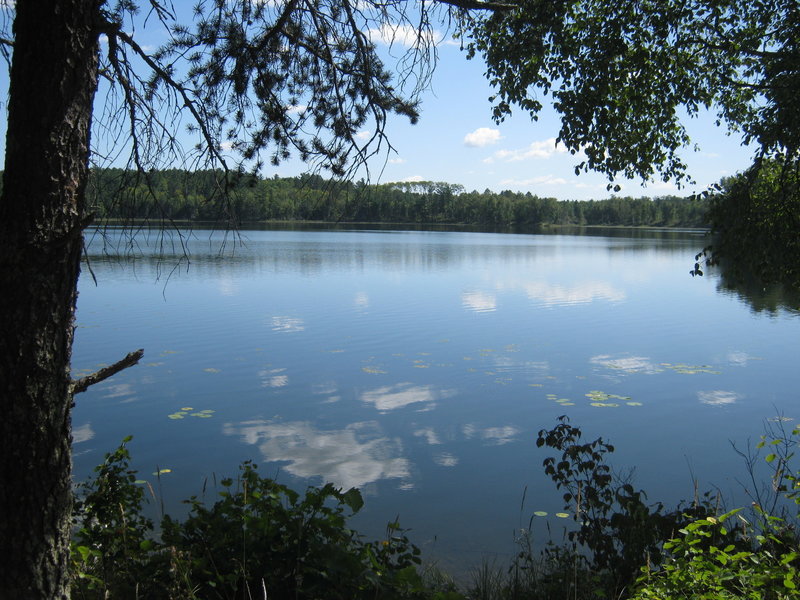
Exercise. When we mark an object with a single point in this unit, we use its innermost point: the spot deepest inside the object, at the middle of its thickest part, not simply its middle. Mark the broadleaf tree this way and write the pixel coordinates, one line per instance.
(235, 82)
(625, 76)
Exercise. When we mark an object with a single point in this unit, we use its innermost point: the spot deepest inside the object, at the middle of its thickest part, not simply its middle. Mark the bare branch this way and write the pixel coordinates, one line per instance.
(80, 385)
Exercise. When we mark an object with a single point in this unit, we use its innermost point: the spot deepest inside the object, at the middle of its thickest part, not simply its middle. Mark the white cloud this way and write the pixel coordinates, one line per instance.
(363, 135)
(536, 150)
(397, 161)
(404, 35)
(296, 109)
(483, 136)
(412, 179)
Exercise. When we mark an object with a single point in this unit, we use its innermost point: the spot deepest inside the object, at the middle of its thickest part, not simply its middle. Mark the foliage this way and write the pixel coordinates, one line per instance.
(618, 531)
(183, 195)
(755, 219)
(730, 556)
(622, 74)
(260, 537)
(705, 562)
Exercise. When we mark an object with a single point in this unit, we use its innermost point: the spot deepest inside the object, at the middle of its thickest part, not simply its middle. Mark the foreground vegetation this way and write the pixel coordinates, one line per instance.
(264, 540)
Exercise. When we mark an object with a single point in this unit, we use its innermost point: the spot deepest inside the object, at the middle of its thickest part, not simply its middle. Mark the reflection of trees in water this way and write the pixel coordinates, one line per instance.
(770, 298)
(168, 253)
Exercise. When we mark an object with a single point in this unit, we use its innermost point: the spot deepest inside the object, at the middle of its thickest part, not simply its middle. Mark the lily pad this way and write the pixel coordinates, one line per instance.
(562, 515)
(539, 513)
(162, 472)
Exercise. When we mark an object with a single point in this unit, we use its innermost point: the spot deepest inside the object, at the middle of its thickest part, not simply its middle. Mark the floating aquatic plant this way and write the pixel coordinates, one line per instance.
(685, 369)
(184, 412)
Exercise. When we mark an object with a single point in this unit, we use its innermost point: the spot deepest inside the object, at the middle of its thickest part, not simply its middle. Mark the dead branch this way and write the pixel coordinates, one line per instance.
(80, 385)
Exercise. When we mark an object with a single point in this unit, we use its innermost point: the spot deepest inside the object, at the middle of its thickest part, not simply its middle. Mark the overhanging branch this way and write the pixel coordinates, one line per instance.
(478, 5)
(80, 385)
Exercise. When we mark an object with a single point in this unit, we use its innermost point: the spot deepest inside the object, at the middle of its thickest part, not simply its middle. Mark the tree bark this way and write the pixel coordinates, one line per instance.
(52, 85)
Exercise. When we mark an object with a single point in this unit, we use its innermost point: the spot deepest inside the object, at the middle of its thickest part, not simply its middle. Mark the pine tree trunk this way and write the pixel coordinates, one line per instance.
(52, 85)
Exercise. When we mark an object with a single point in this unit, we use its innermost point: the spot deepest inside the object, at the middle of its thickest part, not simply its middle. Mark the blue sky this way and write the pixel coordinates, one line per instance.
(456, 141)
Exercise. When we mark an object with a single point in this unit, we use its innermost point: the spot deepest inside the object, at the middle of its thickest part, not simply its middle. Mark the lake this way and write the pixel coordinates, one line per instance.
(420, 365)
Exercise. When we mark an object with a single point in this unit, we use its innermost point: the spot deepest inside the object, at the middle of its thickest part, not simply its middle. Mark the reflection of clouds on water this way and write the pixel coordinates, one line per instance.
(288, 324)
(496, 436)
(445, 459)
(324, 389)
(628, 364)
(429, 434)
(272, 378)
(82, 434)
(581, 293)
(361, 300)
(740, 359)
(329, 388)
(228, 286)
(391, 397)
(349, 457)
(479, 301)
(119, 390)
(718, 397)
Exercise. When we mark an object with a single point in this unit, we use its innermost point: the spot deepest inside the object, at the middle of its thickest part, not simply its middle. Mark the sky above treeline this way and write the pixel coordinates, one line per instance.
(456, 140)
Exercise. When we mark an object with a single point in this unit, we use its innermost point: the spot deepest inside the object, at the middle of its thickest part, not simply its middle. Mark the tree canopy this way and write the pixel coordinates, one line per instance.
(623, 75)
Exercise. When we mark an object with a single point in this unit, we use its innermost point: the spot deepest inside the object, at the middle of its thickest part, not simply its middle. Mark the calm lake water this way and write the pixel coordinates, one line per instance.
(419, 367)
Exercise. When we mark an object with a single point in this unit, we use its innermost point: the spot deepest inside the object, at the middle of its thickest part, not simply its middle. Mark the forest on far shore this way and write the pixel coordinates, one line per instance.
(200, 196)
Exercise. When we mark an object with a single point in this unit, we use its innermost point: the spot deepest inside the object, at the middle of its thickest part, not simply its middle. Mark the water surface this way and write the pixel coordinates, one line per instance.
(419, 366)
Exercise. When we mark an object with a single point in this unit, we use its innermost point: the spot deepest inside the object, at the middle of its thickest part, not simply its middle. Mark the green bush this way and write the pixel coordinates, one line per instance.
(259, 539)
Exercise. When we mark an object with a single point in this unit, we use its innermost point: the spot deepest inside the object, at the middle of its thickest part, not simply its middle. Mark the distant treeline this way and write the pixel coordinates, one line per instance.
(208, 196)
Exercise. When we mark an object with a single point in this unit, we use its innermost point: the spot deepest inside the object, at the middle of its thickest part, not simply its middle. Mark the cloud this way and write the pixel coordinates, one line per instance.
(481, 137)
(536, 150)
(412, 179)
(397, 161)
(296, 109)
(363, 135)
(404, 35)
